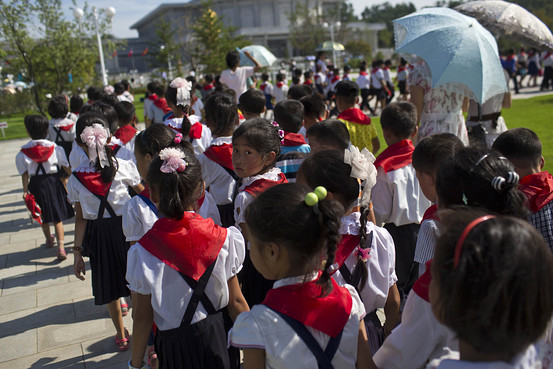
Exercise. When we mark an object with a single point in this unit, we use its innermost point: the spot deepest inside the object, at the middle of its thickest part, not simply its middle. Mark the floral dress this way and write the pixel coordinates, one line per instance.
(442, 106)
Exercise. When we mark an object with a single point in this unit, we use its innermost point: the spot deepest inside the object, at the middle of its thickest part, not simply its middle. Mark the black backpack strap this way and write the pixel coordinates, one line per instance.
(198, 295)
(39, 169)
(353, 278)
(104, 204)
(59, 137)
(324, 358)
(116, 150)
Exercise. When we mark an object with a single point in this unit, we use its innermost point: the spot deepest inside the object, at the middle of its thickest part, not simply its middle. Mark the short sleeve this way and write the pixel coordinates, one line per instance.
(248, 71)
(20, 163)
(73, 189)
(128, 172)
(426, 241)
(61, 157)
(246, 333)
(357, 306)
(137, 270)
(236, 252)
(382, 198)
(243, 199)
(137, 219)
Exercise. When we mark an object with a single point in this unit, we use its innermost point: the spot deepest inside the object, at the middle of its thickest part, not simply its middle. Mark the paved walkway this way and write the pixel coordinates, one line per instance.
(47, 316)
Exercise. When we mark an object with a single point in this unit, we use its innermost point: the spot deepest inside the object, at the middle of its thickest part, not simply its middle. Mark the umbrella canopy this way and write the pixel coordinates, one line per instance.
(259, 53)
(456, 48)
(330, 46)
(508, 19)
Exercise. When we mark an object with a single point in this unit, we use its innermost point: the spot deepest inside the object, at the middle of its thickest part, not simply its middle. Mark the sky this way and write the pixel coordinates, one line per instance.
(130, 11)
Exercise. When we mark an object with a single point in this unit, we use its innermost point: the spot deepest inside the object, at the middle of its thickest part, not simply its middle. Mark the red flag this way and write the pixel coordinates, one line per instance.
(130, 53)
(114, 54)
(145, 51)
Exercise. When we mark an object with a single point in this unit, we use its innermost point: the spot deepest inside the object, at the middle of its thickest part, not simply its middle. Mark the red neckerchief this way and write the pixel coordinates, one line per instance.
(303, 302)
(279, 84)
(317, 76)
(411, 67)
(374, 70)
(538, 188)
(208, 87)
(355, 115)
(66, 127)
(93, 182)
(347, 244)
(293, 139)
(395, 156)
(125, 133)
(386, 68)
(240, 115)
(400, 69)
(263, 184)
(195, 131)
(146, 191)
(113, 146)
(363, 73)
(152, 97)
(334, 79)
(431, 213)
(510, 57)
(262, 87)
(422, 284)
(221, 154)
(39, 154)
(161, 103)
(308, 82)
(547, 55)
(345, 76)
(188, 245)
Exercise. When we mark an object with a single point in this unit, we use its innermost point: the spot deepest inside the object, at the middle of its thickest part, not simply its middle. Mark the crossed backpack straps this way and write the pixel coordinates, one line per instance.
(104, 204)
(349, 276)
(198, 295)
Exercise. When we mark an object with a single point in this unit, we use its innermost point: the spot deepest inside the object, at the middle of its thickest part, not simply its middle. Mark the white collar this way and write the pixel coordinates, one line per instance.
(219, 141)
(41, 142)
(295, 280)
(272, 175)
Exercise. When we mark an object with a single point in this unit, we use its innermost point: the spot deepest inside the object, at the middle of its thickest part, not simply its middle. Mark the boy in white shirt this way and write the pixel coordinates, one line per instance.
(236, 76)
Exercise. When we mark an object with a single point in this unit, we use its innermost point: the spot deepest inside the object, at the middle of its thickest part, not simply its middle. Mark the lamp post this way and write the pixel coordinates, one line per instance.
(331, 27)
(110, 12)
(169, 74)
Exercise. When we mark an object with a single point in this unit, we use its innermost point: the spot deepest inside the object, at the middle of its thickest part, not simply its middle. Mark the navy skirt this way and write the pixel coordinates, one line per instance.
(254, 285)
(197, 346)
(51, 196)
(105, 244)
(375, 331)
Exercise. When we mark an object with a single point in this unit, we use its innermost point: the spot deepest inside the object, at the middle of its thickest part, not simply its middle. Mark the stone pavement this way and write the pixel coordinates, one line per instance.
(47, 316)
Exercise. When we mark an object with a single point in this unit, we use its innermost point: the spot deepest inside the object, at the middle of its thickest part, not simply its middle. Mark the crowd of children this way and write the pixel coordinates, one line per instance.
(277, 241)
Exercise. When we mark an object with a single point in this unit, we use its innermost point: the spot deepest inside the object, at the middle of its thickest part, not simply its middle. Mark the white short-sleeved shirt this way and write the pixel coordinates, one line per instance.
(157, 114)
(79, 158)
(138, 218)
(217, 180)
(418, 339)
(280, 93)
(126, 175)
(387, 75)
(170, 293)
(147, 107)
(398, 198)
(24, 163)
(426, 242)
(263, 328)
(209, 209)
(198, 106)
(380, 266)
(268, 90)
(243, 199)
(129, 96)
(199, 144)
(363, 82)
(237, 80)
(67, 136)
(124, 97)
(376, 77)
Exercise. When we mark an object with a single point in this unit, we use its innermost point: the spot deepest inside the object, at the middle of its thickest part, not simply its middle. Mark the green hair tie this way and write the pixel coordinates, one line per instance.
(312, 198)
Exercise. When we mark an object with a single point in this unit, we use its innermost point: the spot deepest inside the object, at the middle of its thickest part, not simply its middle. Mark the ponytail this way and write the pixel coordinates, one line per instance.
(360, 272)
(186, 125)
(330, 216)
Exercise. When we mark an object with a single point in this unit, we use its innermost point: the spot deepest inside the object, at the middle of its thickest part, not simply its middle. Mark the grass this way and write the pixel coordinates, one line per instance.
(534, 113)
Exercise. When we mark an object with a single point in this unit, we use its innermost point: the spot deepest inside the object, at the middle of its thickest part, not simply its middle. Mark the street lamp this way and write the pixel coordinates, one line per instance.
(110, 12)
(170, 74)
(331, 27)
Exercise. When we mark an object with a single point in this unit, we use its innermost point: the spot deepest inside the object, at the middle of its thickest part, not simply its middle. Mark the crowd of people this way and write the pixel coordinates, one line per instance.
(274, 242)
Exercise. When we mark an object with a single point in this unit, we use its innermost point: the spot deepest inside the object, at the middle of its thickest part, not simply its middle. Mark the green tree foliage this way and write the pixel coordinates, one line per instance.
(359, 49)
(213, 40)
(386, 13)
(45, 49)
(165, 46)
(307, 30)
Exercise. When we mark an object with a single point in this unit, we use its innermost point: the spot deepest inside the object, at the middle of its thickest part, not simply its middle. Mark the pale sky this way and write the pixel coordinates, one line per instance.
(130, 11)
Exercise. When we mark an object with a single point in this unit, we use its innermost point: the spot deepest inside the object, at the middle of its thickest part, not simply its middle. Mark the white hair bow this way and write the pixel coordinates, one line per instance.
(362, 167)
(95, 138)
(183, 90)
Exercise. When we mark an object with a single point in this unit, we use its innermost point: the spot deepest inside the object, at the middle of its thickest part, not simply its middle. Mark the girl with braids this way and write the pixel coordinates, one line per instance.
(365, 257)
(99, 193)
(221, 116)
(306, 320)
(180, 120)
(183, 271)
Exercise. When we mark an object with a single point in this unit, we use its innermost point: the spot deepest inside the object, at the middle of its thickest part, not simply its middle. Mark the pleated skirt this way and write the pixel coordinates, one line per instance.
(254, 285)
(375, 331)
(51, 196)
(105, 244)
(197, 346)
(227, 214)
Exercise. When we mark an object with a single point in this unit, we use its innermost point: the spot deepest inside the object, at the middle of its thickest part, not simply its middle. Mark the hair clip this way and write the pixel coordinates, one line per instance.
(312, 198)
(498, 183)
(172, 160)
(280, 131)
(364, 254)
(513, 178)
(178, 138)
(478, 162)
(466, 231)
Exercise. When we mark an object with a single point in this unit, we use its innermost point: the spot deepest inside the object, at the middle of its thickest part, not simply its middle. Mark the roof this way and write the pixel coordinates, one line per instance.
(162, 8)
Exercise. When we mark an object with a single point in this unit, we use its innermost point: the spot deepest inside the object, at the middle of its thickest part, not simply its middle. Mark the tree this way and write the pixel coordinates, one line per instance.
(307, 31)
(165, 46)
(45, 49)
(213, 40)
(359, 48)
(386, 13)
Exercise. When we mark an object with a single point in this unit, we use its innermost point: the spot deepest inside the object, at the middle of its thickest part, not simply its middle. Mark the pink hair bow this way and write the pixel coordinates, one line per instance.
(173, 160)
(178, 138)
(95, 138)
(364, 254)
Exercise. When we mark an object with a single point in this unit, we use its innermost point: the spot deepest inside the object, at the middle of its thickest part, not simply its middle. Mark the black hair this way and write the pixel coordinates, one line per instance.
(468, 177)
(118, 88)
(347, 90)
(313, 106)
(307, 74)
(363, 66)
(107, 173)
(327, 168)
(36, 126)
(208, 77)
(171, 96)
(264, 76)
(75, 104)
(520, 145)
(159, 89)
(280, 215)
(297, 72)
(295, 80)
(233, 59)
(431, 152)
(347, 68)
(221, 113)
(158, 137)
(107, 112)
(330, 132)
(252, 101)
(280, 77)
(177, 190)
(261, 135)
(498, 298)
(57, 107)
(399, 118)
(125, 84)
(95, 93)
(125, 112)
(289, 115)
(298, 91)
(110, 100)
(224, 89)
